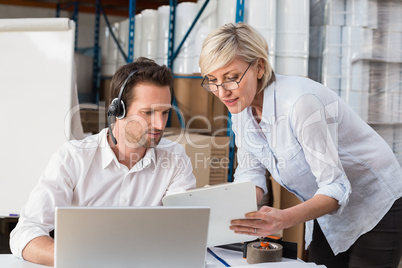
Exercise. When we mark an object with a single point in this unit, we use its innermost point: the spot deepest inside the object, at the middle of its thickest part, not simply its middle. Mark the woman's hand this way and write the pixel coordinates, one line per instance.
(266, 221)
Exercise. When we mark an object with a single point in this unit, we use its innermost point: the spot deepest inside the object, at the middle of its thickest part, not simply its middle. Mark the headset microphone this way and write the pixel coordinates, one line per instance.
(110, 130)
(117, 107)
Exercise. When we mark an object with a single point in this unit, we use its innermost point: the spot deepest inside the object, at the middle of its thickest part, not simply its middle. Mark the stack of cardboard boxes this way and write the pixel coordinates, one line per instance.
(201, 111)
(219, 163)
(208, 154)
(205, 119)
(93, 119)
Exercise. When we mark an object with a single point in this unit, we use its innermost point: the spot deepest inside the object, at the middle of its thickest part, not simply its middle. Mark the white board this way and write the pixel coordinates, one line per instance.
(37, 98)
(227, 202)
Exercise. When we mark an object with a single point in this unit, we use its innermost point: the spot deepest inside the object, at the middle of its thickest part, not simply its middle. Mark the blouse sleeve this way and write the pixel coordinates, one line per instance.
(316, 128)
(249, 166)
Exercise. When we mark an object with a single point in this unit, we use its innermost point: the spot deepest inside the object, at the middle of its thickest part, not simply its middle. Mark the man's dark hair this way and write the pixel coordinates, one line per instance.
(149, 72)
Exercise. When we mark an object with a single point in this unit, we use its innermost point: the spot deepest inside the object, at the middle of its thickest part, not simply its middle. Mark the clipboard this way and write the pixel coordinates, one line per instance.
(227, 201)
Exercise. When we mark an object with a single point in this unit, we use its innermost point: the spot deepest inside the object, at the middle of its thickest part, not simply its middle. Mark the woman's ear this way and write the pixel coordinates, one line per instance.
(260, 68)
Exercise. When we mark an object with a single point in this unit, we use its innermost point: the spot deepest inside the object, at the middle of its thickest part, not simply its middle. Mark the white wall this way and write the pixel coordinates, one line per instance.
(86, 21)
(46, 115)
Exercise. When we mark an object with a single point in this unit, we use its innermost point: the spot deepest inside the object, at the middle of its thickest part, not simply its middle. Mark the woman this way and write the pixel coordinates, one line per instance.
(315, 146)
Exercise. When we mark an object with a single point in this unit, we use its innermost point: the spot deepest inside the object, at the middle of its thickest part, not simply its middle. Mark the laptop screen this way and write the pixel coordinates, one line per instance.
(131, 237)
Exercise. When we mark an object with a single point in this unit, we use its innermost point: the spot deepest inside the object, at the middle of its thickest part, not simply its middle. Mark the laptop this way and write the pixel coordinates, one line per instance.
(227, 201)
(131, 237)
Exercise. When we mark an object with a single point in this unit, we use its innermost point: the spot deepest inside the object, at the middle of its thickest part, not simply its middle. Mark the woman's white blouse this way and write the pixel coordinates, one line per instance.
(313, 143)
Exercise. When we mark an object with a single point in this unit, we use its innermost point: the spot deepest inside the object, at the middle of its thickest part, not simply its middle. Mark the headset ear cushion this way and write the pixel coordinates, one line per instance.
(122, 113)
(113, 108)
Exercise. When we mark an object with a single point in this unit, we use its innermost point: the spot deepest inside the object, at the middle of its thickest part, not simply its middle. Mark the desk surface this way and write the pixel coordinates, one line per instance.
(235, 259)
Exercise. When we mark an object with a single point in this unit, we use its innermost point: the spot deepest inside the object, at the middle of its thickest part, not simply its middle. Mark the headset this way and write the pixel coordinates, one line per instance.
(117, 107)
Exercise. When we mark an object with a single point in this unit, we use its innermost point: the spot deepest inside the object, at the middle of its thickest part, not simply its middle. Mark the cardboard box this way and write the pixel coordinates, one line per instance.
(198, 149)
(284, 199)
(219, 162)
(93, 120)
(201, 110)
(218, 159)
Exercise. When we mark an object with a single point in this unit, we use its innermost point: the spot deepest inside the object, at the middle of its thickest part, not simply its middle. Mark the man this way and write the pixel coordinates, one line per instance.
(129, 165)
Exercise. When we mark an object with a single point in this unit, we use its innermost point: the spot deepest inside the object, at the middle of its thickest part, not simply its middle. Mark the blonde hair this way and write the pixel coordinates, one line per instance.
(235, 41)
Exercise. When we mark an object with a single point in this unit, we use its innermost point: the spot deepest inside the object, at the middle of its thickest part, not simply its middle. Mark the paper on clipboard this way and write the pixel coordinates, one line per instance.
(227, 201)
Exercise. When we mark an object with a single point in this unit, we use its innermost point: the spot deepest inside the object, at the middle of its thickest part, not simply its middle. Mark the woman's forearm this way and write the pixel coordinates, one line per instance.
(311, 209)
(269, 220)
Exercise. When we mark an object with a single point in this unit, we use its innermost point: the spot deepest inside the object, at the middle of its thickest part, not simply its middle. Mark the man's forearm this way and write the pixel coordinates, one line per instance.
(40, 250)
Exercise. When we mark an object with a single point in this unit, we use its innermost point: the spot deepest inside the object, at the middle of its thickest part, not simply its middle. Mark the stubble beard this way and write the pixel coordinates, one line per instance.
(146, 142)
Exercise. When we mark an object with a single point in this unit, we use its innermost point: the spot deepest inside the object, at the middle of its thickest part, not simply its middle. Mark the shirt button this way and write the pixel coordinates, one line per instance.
(124, 200)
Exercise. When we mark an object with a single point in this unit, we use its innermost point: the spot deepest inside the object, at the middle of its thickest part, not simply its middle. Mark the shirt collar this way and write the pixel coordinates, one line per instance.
(268, 106)
(108, 155)
(149, 157)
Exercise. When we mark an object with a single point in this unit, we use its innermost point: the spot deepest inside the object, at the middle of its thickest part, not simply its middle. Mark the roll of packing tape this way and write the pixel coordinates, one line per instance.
(255, 254)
